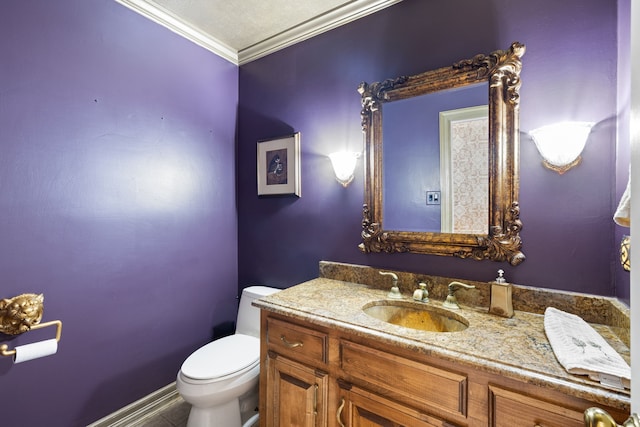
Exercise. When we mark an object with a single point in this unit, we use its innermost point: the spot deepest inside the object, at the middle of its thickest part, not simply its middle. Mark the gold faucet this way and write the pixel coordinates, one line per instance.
(395, 290)
(452, 302)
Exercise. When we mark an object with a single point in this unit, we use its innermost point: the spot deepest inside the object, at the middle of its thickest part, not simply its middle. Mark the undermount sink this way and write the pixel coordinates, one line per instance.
(411, 315)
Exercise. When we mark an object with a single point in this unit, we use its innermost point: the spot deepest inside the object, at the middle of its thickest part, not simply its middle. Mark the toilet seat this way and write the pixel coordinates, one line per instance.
(222, 358)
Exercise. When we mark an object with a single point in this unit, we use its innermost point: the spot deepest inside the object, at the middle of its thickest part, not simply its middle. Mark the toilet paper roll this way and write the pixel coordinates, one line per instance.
(33, 351)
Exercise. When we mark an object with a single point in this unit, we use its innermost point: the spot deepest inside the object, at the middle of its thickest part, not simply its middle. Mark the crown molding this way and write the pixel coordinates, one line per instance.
(323, 23)
(328, 21)
(168, 20)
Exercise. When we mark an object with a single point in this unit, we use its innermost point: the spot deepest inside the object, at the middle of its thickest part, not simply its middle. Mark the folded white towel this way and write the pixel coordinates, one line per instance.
(581, 350)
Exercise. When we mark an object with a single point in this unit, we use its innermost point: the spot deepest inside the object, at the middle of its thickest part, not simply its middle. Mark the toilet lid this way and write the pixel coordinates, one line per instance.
(222, 357)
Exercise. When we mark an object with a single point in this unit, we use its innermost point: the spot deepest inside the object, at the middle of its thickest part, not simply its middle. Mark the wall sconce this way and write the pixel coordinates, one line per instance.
(625, 253)
(344, 164)
(560, 144)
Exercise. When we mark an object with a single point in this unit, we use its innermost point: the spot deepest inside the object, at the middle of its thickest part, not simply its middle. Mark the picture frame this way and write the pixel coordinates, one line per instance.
(278, 166)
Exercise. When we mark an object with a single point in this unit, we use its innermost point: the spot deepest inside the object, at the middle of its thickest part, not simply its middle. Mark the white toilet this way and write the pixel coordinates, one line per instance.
(220, 379)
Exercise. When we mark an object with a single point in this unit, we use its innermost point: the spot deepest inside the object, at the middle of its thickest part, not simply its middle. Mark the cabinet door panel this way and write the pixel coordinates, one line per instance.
(296, 395)
(364, 409)
(415, 383)
(510, 409)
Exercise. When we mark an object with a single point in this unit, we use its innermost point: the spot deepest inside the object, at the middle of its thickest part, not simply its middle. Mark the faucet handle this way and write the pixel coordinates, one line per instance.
(452, 302)
(421, 294)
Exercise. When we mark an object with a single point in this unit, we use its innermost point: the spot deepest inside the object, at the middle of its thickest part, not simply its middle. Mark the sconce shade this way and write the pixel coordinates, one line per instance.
(344, 164)
(561, 144)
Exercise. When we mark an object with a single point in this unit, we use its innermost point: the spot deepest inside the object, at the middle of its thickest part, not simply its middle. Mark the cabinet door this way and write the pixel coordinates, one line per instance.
(509, 408)
(296, 394)
(414, 383)
(360, 408)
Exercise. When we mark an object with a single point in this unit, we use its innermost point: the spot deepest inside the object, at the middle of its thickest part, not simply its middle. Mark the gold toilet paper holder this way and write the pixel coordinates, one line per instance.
(4, 348)
(21, 314)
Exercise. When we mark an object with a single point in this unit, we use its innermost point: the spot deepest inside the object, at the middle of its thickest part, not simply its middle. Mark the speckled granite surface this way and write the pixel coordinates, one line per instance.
(593, 309)
(515, 347)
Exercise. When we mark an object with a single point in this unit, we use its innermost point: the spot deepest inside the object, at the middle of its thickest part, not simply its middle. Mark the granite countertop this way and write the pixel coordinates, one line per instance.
(514, 347)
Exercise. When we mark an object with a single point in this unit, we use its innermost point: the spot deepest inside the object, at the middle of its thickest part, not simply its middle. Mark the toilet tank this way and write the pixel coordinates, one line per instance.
(248, 322)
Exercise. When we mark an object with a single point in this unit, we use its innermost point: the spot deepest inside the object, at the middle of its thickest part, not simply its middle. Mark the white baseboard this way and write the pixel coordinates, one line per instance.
(141, 410)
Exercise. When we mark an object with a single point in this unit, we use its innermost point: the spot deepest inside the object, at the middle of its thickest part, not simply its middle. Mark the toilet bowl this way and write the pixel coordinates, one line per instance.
(220, 379)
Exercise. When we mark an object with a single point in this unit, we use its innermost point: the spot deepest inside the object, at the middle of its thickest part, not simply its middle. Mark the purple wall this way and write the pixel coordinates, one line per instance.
(118, 176)
(569, 73)
(117, 191)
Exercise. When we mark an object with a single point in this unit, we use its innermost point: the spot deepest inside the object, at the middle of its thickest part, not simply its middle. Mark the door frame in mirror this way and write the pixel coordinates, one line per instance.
(501, 69)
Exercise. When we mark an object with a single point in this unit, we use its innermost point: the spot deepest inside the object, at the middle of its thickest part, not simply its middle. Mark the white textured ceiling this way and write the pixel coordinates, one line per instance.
(243, 30)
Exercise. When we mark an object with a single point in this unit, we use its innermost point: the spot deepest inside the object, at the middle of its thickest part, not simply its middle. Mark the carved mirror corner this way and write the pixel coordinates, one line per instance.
(497, 73)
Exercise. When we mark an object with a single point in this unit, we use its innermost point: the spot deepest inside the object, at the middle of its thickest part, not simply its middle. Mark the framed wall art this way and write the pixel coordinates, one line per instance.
(279, 166)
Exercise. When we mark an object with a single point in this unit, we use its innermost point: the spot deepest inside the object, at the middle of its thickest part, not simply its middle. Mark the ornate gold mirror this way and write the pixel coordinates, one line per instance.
(500, 239)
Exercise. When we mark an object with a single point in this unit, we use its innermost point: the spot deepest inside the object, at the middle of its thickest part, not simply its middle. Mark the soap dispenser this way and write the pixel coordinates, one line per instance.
(501, 295)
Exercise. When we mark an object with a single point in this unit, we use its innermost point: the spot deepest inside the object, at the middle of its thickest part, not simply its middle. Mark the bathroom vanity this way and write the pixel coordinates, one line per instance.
(326, 362)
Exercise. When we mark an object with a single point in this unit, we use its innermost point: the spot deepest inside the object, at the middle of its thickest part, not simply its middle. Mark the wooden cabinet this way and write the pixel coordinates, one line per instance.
(295, 375)
(297, 394)
(316, 376)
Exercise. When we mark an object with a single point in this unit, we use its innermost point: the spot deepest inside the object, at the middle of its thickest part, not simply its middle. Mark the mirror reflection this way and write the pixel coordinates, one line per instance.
(442, 160)
(428, 138)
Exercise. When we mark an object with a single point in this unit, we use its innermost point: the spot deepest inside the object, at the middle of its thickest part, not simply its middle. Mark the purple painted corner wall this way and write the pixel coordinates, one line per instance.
(126, 201)
(117, 191)
(569, 73)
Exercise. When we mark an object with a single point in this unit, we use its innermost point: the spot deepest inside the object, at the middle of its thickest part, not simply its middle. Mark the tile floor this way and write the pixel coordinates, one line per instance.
(174, 415)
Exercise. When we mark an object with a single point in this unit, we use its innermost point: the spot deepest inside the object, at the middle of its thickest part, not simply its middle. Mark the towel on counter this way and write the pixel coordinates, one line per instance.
(623, 212)
(581, 350)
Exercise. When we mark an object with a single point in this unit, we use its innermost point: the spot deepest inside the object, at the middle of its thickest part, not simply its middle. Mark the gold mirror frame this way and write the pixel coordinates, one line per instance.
(501, 69)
